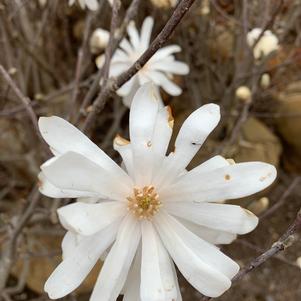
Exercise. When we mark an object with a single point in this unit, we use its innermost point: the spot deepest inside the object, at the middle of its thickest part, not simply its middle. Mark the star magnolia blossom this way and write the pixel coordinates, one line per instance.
(159, 69)
(267, 43)
(91, 4)
(152, 214)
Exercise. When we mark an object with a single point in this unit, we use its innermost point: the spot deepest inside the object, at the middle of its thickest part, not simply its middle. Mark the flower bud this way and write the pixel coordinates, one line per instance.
(243, 93)
(265, 81)
(99, 40)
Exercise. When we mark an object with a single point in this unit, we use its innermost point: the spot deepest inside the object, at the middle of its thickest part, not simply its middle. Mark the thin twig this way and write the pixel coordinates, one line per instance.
(282, 199)
(285, 241)
(25, 100)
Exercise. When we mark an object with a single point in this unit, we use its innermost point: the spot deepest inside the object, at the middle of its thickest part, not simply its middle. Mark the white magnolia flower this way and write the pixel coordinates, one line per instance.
(152, 214)
(267, 43)
(159, 69)
(99, 40)
(91, 4)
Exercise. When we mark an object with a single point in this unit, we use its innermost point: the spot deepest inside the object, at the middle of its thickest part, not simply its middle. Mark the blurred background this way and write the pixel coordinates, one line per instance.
(243, 55)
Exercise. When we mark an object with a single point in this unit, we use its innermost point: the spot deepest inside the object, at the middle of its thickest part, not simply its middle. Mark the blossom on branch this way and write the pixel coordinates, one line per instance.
(266, 44)
(152, 214)
(159, 69)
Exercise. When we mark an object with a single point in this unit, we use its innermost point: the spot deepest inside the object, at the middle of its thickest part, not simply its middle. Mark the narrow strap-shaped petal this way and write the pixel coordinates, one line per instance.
(229, 182)
(118, 262)
(143, 115)
(48, 189)
(157, 280)
(161, 80)
(74, 171)
(76, 266)
(88, 219)
(202, 264)
(230, 218)
(146, 31)
(70, 241)
(92, 4)
(133, 34)
(174, 67)
(192, 135)
(215, 237)
(163, 131)
(63, 137)
(165, 52)
(124, 148)
(132, 284)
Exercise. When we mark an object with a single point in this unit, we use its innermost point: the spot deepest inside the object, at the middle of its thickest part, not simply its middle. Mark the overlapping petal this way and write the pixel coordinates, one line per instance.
(229, 182)
(118, 262)
(88, 219)
(73, 171)
(203, 265)
(76, 265)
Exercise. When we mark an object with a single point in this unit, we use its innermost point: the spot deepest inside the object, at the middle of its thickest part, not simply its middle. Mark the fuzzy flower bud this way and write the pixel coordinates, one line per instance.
(99, 40)
(243, 93)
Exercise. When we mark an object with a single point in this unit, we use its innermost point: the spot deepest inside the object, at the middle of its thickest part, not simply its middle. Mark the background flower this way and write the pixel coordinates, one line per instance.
(159, 69)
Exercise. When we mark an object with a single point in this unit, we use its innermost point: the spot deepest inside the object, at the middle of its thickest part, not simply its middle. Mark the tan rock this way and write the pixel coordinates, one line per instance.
(289, 124)
(257, 143)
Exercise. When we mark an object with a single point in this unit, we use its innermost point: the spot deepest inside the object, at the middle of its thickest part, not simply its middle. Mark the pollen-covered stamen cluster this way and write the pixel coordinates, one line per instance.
(144, 203)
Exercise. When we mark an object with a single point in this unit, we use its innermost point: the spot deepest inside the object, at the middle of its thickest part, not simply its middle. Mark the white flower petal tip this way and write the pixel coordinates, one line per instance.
(120, 141)
(250, 222)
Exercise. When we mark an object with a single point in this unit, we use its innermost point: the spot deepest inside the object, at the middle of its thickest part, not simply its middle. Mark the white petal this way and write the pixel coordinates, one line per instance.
(75, 267)
(229, 182)
(124, 148)
(179, 296)
(69, 243)
(229, 218)
(157, 280)
(127, 100)
(194, 132)
(213, 236)
(88, 219)
(127, 87)
(161, 80)
(143, 116)
(48, 189)
(174, 67)
(74, 171)
(92, 4)
(118, 68)
(118, 262)
(126, 46)
(192, 135)
(63, 137)
(146, 31)
(132, 284)
(203, 265)
(211, 164)
(163, 131)
(165, 52)
(133, 34)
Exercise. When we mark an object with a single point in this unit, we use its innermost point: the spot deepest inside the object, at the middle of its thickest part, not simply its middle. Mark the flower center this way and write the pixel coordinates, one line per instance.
(144, 203)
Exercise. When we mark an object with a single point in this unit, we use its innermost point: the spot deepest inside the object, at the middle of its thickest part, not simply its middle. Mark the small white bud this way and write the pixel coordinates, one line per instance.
(243, 93)
(99, 40)
(99, 61)
(267, 43)
(298, 262)
(265, 81)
